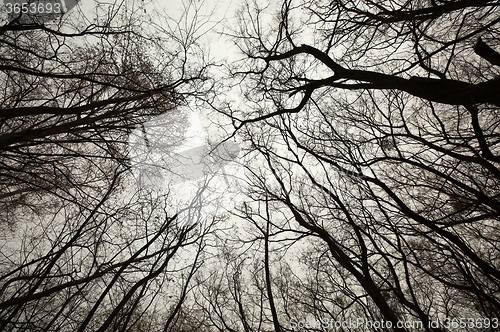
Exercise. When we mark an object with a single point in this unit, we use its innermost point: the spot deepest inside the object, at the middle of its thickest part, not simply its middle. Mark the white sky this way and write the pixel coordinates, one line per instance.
(211, 16)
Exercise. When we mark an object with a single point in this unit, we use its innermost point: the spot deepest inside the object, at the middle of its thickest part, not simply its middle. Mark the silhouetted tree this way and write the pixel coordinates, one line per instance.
(84, 249)
(377, 123)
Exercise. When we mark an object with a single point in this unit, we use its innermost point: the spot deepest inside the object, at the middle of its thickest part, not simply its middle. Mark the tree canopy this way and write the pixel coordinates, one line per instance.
(378, 125)
(369, 137)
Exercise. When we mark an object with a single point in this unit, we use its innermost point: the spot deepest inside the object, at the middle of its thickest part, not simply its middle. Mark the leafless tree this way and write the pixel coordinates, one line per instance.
(84, 249)
(373, 143)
